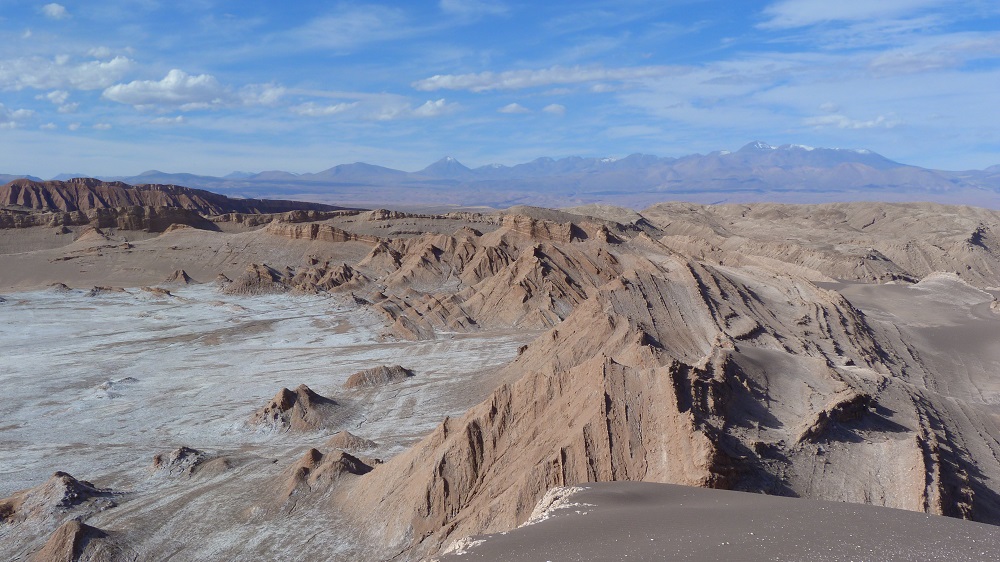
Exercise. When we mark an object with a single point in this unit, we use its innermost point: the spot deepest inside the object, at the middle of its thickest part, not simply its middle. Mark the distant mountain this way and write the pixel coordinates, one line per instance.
(755, 172)
(4, 178)
(358, 172)
(447, 168)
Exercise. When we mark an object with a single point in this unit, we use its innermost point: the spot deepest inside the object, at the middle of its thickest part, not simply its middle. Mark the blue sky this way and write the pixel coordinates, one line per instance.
(210, 87)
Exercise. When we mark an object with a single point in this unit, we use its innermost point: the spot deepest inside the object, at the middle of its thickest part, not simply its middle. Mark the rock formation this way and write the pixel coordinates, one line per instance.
(378, 376)
(298, 410)
(347, 441)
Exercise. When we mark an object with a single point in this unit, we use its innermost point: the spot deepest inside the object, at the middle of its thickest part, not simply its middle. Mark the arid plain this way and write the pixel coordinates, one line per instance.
(201, 379)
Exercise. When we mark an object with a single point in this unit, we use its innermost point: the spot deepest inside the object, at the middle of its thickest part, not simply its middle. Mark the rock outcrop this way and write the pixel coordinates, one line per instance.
(378, 376)
(58, 495)
(74, 541)
(347, 441)
(83, 194)
(297, 410)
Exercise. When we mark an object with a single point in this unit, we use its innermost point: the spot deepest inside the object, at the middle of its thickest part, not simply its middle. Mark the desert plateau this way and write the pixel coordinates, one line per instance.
(189, 379)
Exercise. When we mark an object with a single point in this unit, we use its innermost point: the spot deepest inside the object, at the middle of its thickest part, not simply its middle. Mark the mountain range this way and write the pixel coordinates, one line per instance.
(755, 172)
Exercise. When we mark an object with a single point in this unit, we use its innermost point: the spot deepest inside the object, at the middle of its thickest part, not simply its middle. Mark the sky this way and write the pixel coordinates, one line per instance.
(214, 86)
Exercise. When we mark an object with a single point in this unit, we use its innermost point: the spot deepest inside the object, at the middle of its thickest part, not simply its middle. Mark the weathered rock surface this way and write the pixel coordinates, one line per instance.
(298, 410)
(347, 441)
(378, 376)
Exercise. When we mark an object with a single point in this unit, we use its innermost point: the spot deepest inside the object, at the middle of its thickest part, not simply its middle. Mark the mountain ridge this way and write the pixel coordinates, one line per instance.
(756, 172)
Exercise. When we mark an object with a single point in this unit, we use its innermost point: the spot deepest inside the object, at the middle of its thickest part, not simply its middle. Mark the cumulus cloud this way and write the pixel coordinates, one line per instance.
(73, 126)
(311, 109)
(514, 108)
(843, 122)
(176, 89)
(55, 11)
(46, 74)
(555, 109)
(9, 119)
(518, 79)
(48, 127)
(59, 99)
(433, 108)
(189, 92)
(102, 126)
(800, 13)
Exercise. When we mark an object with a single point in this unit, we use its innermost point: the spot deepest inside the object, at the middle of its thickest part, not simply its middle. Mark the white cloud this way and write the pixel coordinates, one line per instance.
(177, 89)
(44, 74)
(800, 13)
(312, 109)
(168, 120)
(555, 109)
(262, 94)
(57, 97)
(102, 126)
(472, 8)
(829, 107)
(9, 119)
(434, 108)
(73, 126)
(99, 52)
(843, 122)
(514, 108)
(26, 34)
(396, 108)
(188, 92)
(55, 11)
(48, 127)
(517, 79)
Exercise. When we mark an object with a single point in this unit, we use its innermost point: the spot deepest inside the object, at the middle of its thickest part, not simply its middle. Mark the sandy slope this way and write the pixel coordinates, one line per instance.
(643, 521)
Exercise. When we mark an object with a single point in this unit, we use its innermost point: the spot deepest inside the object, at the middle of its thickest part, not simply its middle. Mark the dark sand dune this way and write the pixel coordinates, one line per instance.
(643, 521)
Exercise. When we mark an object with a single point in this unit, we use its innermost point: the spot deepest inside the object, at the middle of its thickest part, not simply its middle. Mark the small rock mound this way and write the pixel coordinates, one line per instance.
(177, 226)
(91, 234)
(347, 441)
(59, 494)
(180, 277)
(257, 279)
(97, 291)
(157, 291)
(299, 410)
(378, 376)
(74, 541)
(60, 288)
(179, 462)
(315, 470)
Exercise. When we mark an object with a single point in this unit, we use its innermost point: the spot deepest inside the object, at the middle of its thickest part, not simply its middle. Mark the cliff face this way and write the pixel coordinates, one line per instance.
(84, 194)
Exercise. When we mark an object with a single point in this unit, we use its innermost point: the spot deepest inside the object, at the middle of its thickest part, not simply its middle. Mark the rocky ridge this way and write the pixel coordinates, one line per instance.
(707, 346)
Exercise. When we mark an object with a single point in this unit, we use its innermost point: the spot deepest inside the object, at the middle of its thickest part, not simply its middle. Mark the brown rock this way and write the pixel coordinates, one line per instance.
(378, 376)
(298, 410)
